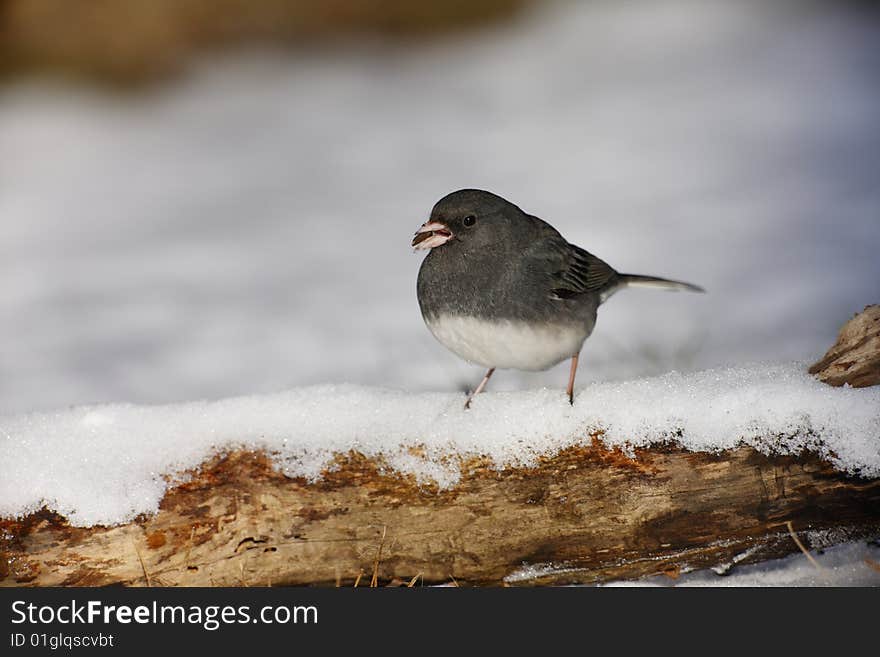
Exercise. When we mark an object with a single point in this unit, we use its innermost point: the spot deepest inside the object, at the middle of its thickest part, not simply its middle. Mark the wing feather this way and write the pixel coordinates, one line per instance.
(581, 273)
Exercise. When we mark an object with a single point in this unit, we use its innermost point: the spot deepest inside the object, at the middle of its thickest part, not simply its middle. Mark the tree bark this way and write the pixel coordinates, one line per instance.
(855, 357)
(585, 514)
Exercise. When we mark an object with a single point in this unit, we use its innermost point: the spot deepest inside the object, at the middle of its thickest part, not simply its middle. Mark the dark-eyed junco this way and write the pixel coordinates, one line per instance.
(503, 289)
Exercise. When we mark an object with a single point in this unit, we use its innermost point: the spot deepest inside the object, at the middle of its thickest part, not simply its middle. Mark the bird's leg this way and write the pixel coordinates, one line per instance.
(574, 369)
(480, 387)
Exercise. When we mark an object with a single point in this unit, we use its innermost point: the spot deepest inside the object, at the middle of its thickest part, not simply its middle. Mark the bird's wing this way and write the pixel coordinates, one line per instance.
(574, 272)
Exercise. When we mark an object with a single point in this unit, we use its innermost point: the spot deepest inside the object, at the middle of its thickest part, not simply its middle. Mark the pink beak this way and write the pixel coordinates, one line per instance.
(431, 235)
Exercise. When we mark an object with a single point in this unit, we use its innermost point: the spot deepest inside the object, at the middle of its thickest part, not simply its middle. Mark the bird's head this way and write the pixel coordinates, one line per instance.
(469, 216)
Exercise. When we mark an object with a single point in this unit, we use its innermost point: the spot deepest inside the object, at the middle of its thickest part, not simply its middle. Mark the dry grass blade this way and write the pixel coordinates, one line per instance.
(358, 579)
(143, 567)
(189, 544)
(375, 580)
(801, 545)
(413, 581)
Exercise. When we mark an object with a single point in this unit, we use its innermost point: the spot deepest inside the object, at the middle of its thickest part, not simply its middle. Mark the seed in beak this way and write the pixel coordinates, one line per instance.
(432, 234)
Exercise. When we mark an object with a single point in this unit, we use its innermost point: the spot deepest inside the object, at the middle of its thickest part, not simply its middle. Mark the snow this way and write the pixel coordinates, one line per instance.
(853, 563)
(246, 229)
(107, 464)
(834, 561)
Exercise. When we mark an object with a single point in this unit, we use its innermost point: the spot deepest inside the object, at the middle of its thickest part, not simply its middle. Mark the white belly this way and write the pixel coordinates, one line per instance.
(507, 344)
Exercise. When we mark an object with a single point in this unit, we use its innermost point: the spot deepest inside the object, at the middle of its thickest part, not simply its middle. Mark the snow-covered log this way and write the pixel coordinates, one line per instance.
(587, 511)
(586, 514)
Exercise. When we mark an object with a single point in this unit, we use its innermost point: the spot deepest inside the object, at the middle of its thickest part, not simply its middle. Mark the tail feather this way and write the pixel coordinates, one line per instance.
(634, 280)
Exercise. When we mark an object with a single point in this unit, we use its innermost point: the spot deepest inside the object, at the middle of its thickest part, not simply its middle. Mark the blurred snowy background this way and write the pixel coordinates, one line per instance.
(244, 225)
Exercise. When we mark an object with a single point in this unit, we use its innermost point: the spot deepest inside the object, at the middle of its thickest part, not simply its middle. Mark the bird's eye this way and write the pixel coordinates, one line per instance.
(469, 220)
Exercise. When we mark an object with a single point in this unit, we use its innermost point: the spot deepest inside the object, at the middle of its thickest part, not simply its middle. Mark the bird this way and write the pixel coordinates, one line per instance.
(503, 289)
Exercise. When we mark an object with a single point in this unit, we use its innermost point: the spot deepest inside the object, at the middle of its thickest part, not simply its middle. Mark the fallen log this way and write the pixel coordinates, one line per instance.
(855, 357)
(584, 514)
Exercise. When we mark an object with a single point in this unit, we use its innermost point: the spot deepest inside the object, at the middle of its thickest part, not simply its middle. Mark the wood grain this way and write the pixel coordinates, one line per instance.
(855, 357)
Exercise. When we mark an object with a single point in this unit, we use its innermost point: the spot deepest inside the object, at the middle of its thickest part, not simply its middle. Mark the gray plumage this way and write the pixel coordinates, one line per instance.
(499, 265)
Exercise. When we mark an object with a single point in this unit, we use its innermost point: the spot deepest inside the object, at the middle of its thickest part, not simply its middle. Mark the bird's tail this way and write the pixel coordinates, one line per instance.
(634, 280)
